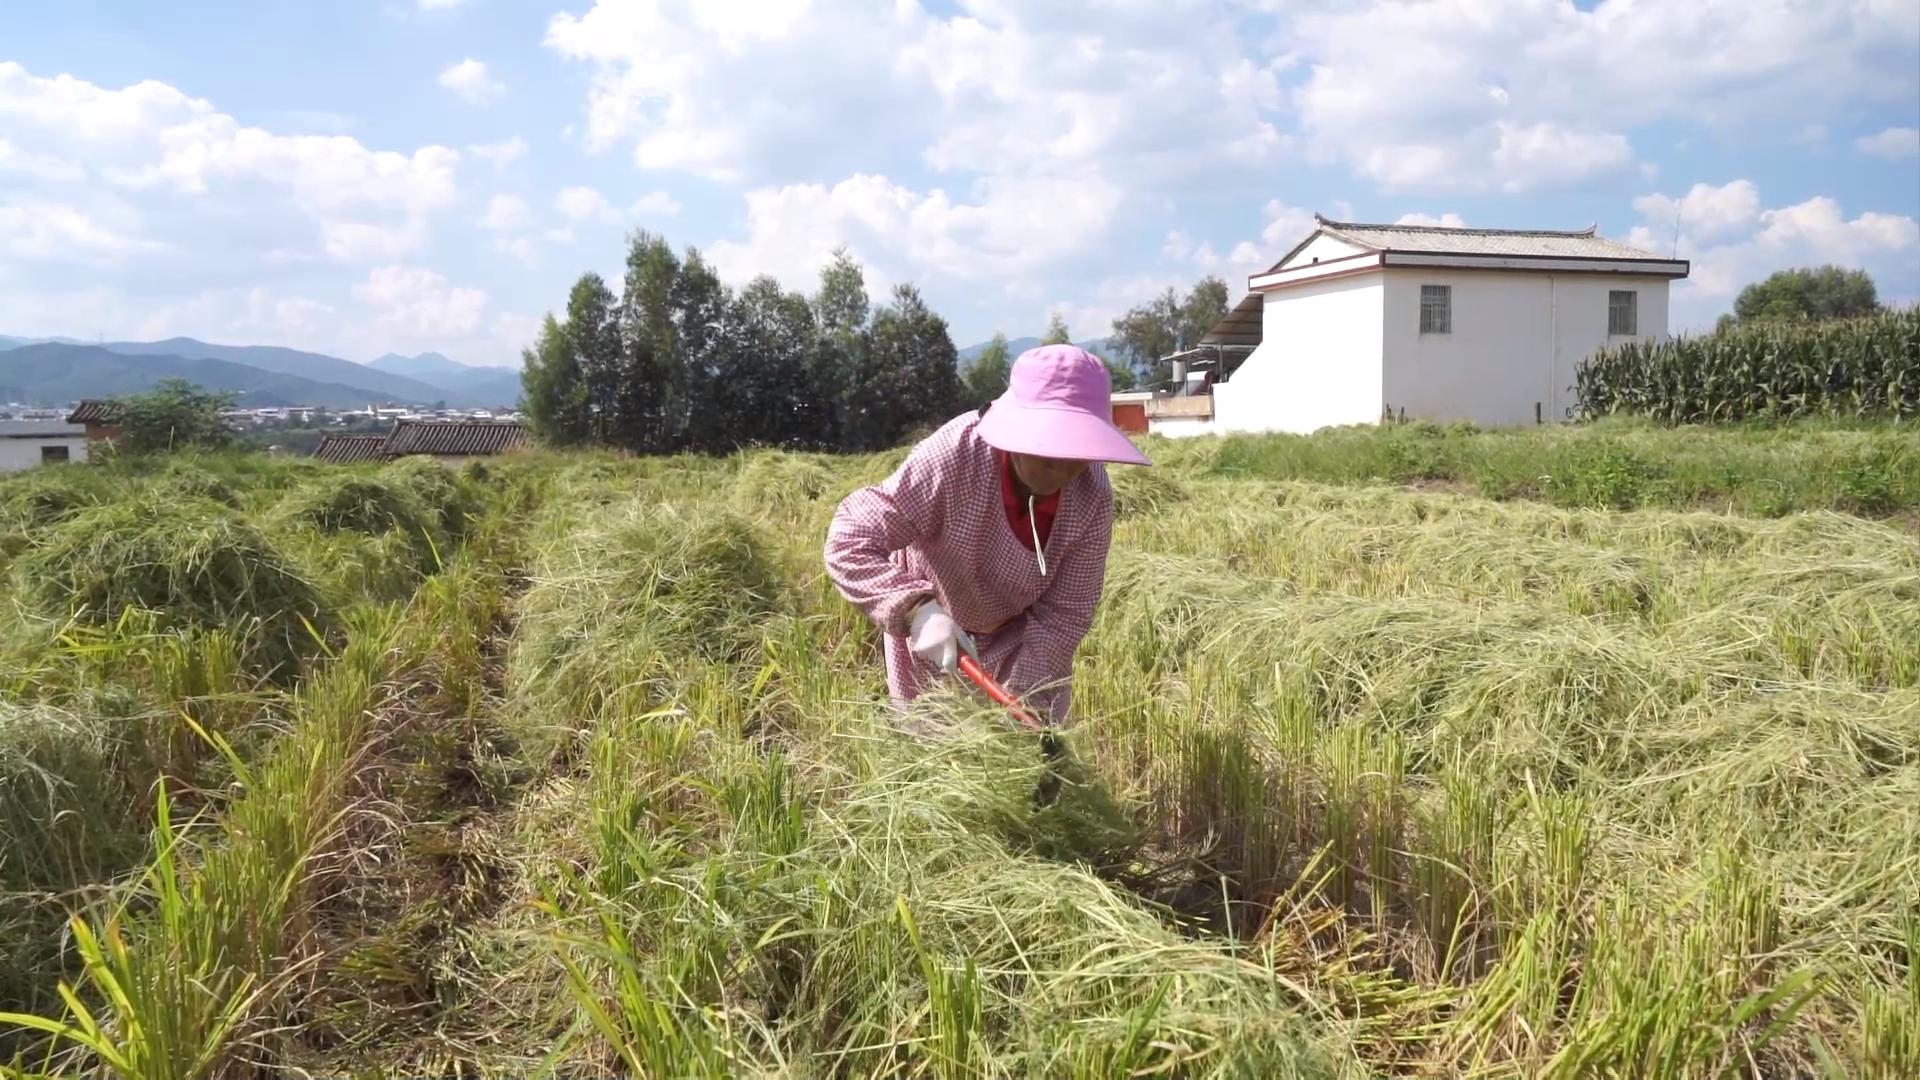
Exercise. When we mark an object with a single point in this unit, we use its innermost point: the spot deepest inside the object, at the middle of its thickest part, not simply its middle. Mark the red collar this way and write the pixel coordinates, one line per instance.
(1044, 508)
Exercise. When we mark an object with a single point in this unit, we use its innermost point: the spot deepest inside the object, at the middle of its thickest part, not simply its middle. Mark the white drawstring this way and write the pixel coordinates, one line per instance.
(1033, 524)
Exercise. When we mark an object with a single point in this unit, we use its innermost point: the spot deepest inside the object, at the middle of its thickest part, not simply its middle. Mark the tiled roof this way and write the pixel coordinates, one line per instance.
(1239, 326)
(458, 437)
(350, 448)
(1439, 240)
(91, 411)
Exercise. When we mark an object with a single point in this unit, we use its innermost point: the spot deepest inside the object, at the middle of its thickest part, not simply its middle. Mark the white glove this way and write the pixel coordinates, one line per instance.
(936, 638)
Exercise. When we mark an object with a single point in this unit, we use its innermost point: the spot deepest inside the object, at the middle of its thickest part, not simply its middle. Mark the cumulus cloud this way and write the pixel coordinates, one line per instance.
(97, 151)
(506, 213)
(578, 204)
(470, 81)
(1894, 144)
(1735, 243)
(1008, 227)
(1520, 94)
(1705, 212)
(994, 89)
(44, 167)
(1446, 221)
(418, 303)
(500, 154)
(45, 230)
(655, 204)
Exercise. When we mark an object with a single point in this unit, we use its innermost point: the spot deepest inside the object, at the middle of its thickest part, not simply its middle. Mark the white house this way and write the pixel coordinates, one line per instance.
(27, 443)
(1359, 322)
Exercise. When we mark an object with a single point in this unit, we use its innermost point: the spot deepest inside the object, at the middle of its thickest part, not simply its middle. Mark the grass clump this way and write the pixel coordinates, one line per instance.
(355, 503)
(629, 610)
(1140, 492)
(184, 481)
(47, 496)
(776, 477)
(194, 562)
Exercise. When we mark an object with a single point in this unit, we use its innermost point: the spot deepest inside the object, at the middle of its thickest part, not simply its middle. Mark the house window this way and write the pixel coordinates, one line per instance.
(1623, 313)
(51, 454)
(1436, 309)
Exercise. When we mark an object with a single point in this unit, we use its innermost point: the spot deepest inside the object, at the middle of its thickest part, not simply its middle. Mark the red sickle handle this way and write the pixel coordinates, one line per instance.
(998, 693)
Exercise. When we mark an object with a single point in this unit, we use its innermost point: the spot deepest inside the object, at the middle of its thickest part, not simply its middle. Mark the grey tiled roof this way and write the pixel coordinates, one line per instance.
(350, 448)
(1439, 240)
(457, 437)
(92, 411)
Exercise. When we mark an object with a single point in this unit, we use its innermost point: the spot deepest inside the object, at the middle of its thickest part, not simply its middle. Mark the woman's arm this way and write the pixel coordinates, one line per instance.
(874, 522)
(1052, 629)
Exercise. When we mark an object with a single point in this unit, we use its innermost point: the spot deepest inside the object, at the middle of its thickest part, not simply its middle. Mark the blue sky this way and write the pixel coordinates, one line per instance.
(358, 177)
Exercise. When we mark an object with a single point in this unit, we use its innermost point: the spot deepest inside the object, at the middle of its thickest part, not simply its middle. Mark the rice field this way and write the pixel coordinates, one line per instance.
(577, 766)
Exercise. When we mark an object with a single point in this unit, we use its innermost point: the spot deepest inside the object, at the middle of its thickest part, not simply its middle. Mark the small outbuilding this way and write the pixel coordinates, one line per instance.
(1360, 322)
(25, 444)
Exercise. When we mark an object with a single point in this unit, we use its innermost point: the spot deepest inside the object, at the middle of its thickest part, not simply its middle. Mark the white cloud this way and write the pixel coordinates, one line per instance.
(439, 5)
(45, 167)
(578, 204)
(43, 230)
(1752, 243)
(418, 303)
(1446, 221)
(101, 150)
(995, 88)
(1894, 144)
(469, 80)
(1520, 94)
(655, 204)
(1545, 153)
(500, 154)
(507, 213)
(1012, 227)
(1705, 211)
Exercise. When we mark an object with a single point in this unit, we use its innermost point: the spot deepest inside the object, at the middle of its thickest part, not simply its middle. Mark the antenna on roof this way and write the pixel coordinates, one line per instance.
(1678, 206)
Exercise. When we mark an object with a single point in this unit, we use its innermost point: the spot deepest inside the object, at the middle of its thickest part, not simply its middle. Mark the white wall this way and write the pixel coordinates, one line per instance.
(1318, 363)
(17, 454)
(1322, 249)
(1180, 427)
(1517, 339)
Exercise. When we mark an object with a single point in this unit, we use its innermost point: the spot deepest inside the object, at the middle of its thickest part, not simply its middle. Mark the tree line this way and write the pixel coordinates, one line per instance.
(678, 361)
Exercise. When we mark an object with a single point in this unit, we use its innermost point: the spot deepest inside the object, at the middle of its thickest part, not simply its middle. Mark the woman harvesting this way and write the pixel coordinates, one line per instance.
(991, 538)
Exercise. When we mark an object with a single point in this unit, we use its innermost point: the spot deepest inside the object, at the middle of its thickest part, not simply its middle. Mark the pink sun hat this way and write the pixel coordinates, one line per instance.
(1058, 404)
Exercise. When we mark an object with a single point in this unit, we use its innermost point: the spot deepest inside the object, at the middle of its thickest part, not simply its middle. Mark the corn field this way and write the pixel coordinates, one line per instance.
(1868, 367)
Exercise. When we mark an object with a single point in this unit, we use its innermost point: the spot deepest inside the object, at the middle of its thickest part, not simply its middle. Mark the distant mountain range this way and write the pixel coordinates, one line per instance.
(1015, 346)
(54, 374)
(485, 385)
(52, 371)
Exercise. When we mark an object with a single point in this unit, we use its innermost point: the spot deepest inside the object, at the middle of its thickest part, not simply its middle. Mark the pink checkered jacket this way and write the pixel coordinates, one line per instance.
(936, 528)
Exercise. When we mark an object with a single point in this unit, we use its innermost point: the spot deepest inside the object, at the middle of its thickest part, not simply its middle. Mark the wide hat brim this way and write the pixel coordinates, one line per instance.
(1070, 434)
